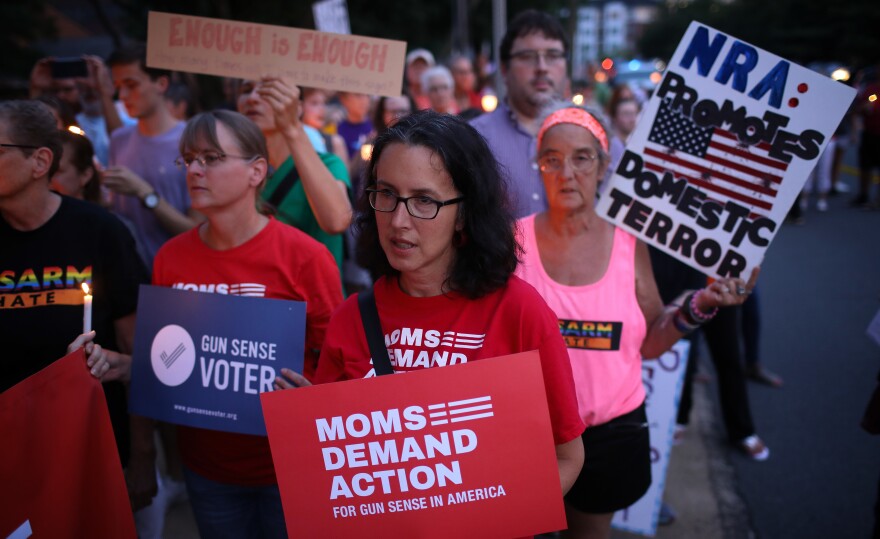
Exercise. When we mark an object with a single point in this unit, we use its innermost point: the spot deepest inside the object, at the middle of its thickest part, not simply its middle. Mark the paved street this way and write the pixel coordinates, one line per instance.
(821, 287)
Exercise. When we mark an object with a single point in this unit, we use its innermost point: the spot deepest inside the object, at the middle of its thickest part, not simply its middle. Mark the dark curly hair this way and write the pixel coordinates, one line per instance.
(486, 250)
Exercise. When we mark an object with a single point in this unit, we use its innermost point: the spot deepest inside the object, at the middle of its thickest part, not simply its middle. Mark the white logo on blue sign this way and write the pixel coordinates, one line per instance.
(173, 355)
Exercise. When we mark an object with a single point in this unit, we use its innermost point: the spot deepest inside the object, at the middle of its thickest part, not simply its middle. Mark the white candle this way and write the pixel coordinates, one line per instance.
(87, 309)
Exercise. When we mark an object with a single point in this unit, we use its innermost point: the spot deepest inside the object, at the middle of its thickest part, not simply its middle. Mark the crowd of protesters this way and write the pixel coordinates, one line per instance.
(318, 194)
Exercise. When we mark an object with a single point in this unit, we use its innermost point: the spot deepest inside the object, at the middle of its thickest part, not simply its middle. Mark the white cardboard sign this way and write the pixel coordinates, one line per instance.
(723, 148)
(331, 16)
(663, 379)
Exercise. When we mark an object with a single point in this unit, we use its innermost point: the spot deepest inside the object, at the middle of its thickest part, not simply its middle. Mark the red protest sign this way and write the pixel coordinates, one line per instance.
(60, 474)
(465, 451)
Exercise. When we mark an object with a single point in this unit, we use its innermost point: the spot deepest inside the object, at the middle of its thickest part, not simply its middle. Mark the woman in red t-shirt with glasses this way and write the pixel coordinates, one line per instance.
(436, 230)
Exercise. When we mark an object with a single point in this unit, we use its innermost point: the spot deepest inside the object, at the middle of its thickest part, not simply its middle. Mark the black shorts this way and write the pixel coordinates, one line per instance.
(869, 151)
(617, 465)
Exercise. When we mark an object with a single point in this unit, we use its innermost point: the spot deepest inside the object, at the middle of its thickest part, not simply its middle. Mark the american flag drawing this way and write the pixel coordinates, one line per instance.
(462, 340)
(714, 160)
(248, 289)
(463, 410)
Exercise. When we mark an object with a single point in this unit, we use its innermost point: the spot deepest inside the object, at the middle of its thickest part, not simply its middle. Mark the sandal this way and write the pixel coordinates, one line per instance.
(754, 448)
(761, 375)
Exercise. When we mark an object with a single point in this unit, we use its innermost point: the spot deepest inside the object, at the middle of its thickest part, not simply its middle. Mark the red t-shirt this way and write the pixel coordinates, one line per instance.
(451, 329)
(286, 264)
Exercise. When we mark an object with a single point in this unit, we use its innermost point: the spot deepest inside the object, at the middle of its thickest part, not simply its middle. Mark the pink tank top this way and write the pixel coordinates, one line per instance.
(602, 325)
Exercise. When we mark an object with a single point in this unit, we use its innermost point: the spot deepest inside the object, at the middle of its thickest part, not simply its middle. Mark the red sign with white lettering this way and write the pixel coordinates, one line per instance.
(60, 474)
(464, 451)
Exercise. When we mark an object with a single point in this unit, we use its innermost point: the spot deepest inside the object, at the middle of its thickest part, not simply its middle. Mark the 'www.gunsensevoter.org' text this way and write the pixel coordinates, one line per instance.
(201, 411)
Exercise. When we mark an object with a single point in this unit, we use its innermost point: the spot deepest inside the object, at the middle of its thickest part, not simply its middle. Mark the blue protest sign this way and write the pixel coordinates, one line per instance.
(203, 359)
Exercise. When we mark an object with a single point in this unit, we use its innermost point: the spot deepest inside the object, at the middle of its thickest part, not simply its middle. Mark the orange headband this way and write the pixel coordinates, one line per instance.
(576, 116)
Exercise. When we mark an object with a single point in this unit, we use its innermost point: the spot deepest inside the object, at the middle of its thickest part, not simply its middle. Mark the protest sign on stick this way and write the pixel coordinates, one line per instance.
(722, 151)
(465, 451)
(202, 359)
(249, 50)
(663, 379)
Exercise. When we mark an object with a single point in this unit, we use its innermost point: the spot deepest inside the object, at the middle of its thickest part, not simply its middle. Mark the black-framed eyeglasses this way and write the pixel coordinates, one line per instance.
(420, 206)
(21, 146)
(207, 159)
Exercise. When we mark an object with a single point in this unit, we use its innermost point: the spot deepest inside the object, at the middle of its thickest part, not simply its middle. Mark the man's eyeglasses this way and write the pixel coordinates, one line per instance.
(555, 162)
(531, 56)
(207, 159)
(21, 146)
(395, 113)
(420, 207)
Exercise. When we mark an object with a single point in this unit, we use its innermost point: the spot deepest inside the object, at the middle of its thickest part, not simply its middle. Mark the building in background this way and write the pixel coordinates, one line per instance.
(609, 28)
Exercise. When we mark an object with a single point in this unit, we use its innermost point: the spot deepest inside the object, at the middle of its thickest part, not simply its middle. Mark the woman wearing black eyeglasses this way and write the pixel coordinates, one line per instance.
(435, 226)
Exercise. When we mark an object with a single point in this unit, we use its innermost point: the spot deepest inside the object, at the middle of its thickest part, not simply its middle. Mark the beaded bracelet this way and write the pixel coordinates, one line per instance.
(696, 315)
(679, 320)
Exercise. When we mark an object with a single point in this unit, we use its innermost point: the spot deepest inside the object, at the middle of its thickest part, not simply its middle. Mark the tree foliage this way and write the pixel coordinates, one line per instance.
(427, 24)
(800, 30)
(22, 23)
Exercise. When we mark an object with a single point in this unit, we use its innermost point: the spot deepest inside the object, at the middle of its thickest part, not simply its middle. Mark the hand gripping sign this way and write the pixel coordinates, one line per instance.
(460, 452)
(249, 50)
(721, 152)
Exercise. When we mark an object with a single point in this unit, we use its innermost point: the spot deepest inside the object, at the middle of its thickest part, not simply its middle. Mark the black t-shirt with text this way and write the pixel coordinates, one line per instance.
(41, 297)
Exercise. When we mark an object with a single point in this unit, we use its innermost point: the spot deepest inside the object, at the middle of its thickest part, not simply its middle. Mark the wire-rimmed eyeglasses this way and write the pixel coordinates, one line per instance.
(207, 159)
(555, 162)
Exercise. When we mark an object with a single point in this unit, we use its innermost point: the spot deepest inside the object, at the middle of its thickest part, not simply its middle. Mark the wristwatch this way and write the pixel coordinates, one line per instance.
(150, 200)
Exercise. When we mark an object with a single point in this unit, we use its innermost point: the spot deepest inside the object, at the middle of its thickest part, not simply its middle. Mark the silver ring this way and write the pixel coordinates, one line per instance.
(740, 291)
(724, 289)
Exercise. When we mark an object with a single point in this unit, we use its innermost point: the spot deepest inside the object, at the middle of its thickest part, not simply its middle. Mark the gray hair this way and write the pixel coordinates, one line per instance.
(556, 105)
(441, 71)
(31, 123)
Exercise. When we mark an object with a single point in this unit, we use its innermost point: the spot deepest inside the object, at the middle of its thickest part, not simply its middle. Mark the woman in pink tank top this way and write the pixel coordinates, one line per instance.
(598, 280)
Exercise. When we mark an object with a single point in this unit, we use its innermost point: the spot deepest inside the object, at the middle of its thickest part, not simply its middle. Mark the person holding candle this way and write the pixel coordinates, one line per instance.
(51, 245)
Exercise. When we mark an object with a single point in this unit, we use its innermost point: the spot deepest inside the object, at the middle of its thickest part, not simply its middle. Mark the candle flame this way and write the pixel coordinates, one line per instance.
(85, 288)
(489, 102)
(76, 130)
